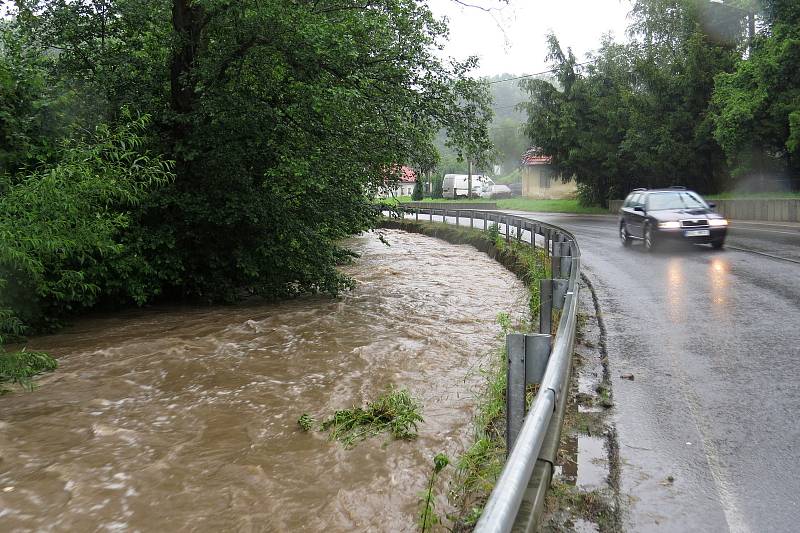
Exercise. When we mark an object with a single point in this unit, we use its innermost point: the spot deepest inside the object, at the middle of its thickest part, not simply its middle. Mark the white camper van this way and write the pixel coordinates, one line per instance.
(455, 186)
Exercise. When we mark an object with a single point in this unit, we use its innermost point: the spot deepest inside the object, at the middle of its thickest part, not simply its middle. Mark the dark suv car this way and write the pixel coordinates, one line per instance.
(657, 215)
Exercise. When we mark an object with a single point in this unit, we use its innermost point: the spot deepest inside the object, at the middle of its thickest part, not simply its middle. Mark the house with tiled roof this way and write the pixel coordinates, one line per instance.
(540, 179)
(402, 184)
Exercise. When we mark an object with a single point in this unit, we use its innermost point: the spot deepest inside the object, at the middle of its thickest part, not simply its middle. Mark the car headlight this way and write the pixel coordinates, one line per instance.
(717, 222)
(672, 224)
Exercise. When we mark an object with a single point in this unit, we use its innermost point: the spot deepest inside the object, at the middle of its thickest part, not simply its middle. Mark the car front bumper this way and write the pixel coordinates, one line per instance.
(685, 234)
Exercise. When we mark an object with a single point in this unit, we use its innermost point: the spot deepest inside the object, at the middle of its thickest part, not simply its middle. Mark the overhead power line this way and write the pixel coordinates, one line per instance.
(537, 73)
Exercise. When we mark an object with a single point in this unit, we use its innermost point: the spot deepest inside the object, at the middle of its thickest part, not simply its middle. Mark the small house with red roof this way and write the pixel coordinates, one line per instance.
(540, 180)
(402, 185)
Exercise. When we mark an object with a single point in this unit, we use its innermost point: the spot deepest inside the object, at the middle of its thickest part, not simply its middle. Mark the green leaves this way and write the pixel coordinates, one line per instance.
(755, 108)
(395, 411)
(58, 224)
(20, 367)
(638, 114)
(282, 118)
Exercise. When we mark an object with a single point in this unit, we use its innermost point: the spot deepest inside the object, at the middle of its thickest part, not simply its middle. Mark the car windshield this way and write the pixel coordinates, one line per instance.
(673, 200)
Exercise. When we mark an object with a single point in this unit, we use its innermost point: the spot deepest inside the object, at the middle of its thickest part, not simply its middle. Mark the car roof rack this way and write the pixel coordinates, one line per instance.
(678, 187)
(639, 189)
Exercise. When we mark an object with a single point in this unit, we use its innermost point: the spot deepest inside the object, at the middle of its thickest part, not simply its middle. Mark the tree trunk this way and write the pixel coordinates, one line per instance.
(187, 23)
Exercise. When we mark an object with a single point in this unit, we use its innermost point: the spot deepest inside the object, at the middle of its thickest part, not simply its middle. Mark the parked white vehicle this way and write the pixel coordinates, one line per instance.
(455, 186)
(501, 191)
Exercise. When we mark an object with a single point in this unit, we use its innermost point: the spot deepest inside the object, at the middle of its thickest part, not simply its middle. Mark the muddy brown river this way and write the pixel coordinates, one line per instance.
(185, 419)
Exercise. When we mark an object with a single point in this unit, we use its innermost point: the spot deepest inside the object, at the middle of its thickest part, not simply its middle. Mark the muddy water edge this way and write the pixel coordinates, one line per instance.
(186, 419)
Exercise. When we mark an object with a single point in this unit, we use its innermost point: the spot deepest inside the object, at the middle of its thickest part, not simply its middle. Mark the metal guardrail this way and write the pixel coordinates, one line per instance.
(518, 496)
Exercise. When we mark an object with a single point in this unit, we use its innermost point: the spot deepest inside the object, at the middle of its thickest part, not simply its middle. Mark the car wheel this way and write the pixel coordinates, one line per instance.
(718, 244)
(649, 238)
(623, 235)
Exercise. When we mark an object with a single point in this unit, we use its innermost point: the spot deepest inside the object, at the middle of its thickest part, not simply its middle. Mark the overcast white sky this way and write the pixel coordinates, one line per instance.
(521, 48)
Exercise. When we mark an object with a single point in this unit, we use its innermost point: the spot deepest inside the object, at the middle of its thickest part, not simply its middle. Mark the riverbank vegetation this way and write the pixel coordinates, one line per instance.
(703, 95)
(428, 518)
(570, 205)
(207, 150)
(20, 367)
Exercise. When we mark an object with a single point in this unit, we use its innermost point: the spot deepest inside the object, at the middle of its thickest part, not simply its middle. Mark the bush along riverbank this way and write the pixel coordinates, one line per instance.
(480, 465)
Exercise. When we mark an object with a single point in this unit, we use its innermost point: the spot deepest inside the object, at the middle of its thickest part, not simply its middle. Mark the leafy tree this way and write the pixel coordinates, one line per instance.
(638, 113)
(437, 186)
(417, 195)
(60, 227)
(28, 109)
(282, 118)
(756, 108)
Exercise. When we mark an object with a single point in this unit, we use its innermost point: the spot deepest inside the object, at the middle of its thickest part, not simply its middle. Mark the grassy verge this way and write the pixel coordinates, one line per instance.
(549, 206)
(523, 204)
(479, 467)
(405, 199)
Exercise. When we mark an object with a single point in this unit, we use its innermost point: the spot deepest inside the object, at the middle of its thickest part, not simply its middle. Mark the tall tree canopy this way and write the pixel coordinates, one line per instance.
(692, 96)
(282, 118)
(756, 108)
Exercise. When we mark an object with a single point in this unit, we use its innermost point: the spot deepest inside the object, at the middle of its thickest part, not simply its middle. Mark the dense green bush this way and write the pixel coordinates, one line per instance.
(61, 226)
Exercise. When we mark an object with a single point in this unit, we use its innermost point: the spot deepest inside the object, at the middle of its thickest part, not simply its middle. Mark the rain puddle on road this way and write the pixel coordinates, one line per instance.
(186, 419)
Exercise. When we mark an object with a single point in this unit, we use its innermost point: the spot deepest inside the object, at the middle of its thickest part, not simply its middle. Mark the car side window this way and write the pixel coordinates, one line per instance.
(635, 199)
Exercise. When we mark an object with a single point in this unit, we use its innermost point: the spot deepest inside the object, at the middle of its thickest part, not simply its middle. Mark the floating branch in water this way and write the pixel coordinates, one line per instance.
(395, 411)
(20, 367)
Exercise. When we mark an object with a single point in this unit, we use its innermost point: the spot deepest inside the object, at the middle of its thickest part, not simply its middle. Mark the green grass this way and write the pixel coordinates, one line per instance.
(405, 199)
(428, 519)
(526, 204)
(549, 206)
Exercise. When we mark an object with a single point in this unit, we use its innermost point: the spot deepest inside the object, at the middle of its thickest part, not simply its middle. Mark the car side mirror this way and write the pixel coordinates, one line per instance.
(712, 205)
(639, 208)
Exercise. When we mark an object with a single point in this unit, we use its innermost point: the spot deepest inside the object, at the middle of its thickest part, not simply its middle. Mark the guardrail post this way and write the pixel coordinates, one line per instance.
(555, 264)
(560, 287)
(430, 213)
(545, 306)
(506, 220)
(546, 235)
(416, 214)
(458, 212)
(537, 354)
(566, 259)
(515, 388)
(484, 220)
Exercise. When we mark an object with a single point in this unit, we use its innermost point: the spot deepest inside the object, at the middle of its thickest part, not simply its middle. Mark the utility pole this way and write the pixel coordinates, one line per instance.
(469, 178)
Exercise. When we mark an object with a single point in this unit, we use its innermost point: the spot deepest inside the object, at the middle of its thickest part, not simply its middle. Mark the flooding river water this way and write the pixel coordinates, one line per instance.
(185, 419)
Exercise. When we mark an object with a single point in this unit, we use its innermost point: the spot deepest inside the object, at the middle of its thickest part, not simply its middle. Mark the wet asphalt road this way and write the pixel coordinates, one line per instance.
(712, 339)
